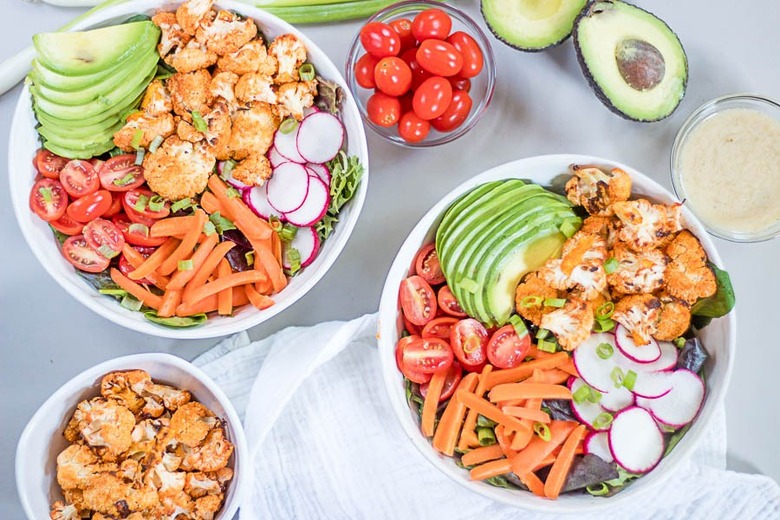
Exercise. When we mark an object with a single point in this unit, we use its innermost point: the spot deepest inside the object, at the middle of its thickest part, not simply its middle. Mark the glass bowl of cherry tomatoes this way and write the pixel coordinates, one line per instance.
(422, 72)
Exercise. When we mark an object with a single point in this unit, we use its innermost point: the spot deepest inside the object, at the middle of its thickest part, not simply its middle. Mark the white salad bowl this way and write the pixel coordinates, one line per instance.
(24, 143)
(42, 439)
(719, 338)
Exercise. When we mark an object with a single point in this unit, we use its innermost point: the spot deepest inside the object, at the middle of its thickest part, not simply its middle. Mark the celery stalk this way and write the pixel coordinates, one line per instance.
(322, 13)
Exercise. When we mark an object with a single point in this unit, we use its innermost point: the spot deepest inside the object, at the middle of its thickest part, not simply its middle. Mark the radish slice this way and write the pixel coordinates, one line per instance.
(638, 353)
(617, 399)
(321, 171)
(653, 385)
(319, 139)
(285, 146)
(275, 158)
(667, 360)
(315, 205)
(594, 370)
(307, 242)
(597, 443)
(586, 411)
(635, 441)
(287, 189)
(681, 405)
(257, 200)
(229, 179)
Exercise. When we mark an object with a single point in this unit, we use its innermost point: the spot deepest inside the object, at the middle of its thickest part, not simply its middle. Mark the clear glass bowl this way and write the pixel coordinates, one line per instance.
(713, 107)
(482, 86)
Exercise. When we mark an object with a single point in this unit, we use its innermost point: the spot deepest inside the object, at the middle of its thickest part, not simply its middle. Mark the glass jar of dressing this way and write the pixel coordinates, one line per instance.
(726, 167)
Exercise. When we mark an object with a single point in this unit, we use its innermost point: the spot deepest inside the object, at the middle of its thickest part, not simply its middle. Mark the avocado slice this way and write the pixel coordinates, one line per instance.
(96, 150)
(457, 207)
(83, 142)
(632, 60)
(531, 25)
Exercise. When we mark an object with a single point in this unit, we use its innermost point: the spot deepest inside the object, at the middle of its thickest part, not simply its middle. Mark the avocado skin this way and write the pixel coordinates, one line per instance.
(591, 80)
(518, 47)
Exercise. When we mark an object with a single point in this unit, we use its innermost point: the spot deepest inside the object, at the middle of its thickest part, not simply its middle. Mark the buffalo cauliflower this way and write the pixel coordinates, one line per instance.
(571, 324)
(219, 128)
(191, 14)
(211, 455)
(595, 189)
(531, 288)
(687, 276)
(253, 131)
(103, 489)
(191, 423)
(75, 464)
(581, 266)
(253, 171)
(178, 169)
(255, 87)
(226, 33)
(105, 424)
(208, 506)
(223, 85)
(190, 93)
(141, 129)
(645, 225)
(290, 53)
(62, 511)
(293, 98)
(674, 320)
(199, 484)
(173, 35)
(191, 57)
(156, 101)
(637, 273)
(639, 313)
(123, 386)
(252, 57)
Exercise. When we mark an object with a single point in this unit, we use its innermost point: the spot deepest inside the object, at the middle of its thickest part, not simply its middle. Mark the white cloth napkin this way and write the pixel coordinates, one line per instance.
(326, 444)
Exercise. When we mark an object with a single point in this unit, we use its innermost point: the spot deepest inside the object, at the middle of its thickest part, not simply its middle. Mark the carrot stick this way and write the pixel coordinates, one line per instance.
(522, 438)
(265, 257)
(220, 284)
(553, 376)
(136, 259)
(491, 411)
(180, 278)
(526, 413)
(504, 442)
(482, 454)
(172, 226)
(446, 436)
(569, 368)
(533, 404)
(210, 303)
(468, 440)
(562, 465)
(260, 301)
(187, 244)
(491, 469)
(212, 205)
(538, 449)
(276, 247)
(209, 265)
(140, 292)
(224, 298)
(245, 220)
(155, 259)
(170, 301)
(525, 370)
(431, 402)
(528, 390)
(549, 459)
(533, 483)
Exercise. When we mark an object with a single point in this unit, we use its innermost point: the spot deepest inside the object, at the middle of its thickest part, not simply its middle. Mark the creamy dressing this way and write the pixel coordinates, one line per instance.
(730, 171)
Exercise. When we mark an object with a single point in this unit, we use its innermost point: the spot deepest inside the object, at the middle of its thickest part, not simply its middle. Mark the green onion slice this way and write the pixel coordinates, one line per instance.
(307, 72)
(484, 422)
(155, 144)
(233, 193)
(113, 292)
(250, 258)
(547, 346)
(288, 125)
(139, 156)
(198, 122)
(469, 285)
(221, 223)
(611, 265)
(294, 257)
(597, 490)
(186, 265)
(617, 376)
(542, 431)
(227, 168)
(605, 310)
(275, 223)
(139, 229)
(605, 350)
(124, 181)
(287, 233)
(602, 420)
(519, 325)
(140, 204)
(181, 204)
(629, 380)
(569, 227)
(107, 251)
(46, 193)
(554, 302)
(486, 436)
(581, 395)
(156, 203)
(542, 333)
(603, 325)
(208, 228)
(531, 301)
(130, 303)
(138, 136)
(679, 342)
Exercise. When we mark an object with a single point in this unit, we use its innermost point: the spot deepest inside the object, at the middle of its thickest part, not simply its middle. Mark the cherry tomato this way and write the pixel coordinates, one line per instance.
(380, 40)
(469, 340)
(412, 128)
(90, 206)
(364, 70)
(460, 83)
(116, 206)
(427, 355)
(79, 178)
(431, 23)
(67, 226)
(144, 214)
(419, 74)
(439, 328)
(403, 26)
(470, 51)
(49, 164)
(418, 300)
(450, 383)
(138, 234)
(426, 264)
(393, 76)
(432, 98)
(506, 349)
(449, 304)
(104, 237)
(411, 375)
(383, 110)
(77, 252)
(439, 58)
(125, 267)
(48, 199)
(456, 113)
(120, 173)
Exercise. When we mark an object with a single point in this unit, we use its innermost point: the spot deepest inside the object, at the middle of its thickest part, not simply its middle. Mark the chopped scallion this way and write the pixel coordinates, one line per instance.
(107, 251)
(531, 301)
(138, 136)
(542, 333)
(275, 223)
(180, 205)
(569, 227)
(186, 265)
(288, 126)
(611, 265)
(155, 144)
(597, 490)
(221, 223)
(554, 302)
(250, 258)
(131, 303)
(156, 203)
(140, 204)
(139, 229)
(484, 422)
(198, 122)
(547, 346)
(679, 342)
(617, 376)
(208, 228)
(602, 420)
(124, 181)
(139, 156)
(294, 258)
(46, 193)
(519, 325)
(605, 350)
(594, 396)
(227, 168)
(113, 292)
(629, 380)
(581, 395)
(605, 310)
(469, 285)
(486, 436)
(287, 233)
(542, 431)
(307, 72)
(603, 325)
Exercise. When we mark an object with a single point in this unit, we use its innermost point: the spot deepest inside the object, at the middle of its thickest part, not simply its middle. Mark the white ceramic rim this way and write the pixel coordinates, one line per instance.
(388, 333)
(20, 179)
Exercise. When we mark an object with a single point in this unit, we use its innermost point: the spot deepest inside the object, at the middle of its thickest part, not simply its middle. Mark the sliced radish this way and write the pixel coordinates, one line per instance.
(667, 360)
(617, 399)
(275, 158)
(597, 443)
(586, 411)
(288, 187)
(638, 353)
(286, 147)
(653, 385)
(321, 171)
(593, 369)
(315, 205)
(307, 242)
(635, 441)
(319, 138)
(681, 405)
(257, 200)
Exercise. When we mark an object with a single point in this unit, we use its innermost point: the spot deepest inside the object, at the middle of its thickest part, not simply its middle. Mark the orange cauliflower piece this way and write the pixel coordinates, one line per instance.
(156, 101)
(191, 57)
(191, 14)
(172, 33)
(253, 171)
(253, 131)
(637, 272)
(646, 225)
(106, 424)
(178, 169)
(223, 85)
(595, 190)
(688, 276)
(290, 54)
(199, 484)
(293, 98)
(119, 386)
(213, 454)
(226, 33)
(103, 489)
(581, 266)
(149, 126)
(674, 320)
(190, 92)
(75, 464)
(255, 87)
(571, 323)
(532, 285)
(639, 313)
(252, 57)
(191, 423)
(62, 511)
(207, 507)
(186, 132)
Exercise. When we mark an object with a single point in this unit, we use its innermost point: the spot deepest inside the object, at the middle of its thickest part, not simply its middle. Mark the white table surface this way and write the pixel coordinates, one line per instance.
(542, 105)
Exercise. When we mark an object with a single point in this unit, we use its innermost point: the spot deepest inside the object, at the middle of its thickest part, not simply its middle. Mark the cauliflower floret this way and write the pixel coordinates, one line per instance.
(646, 225)
(226, 33)
(191, 423)
(253, 171)
(674, 320)
(129, 470)
(102, 491)
(252, 57)
(208, 506)
(156, 101)
(119, 387)
(583, 248)
(191, 57)
(220, 129)
(571, 324)
(190, 92)
(167, 482)
(172, 33)
(171, 461)
(293, 98)
(186, 132)
(581, 266)
(75, 496)
(595, 189)
(290, 53)
(178, 169)
(76, 464)
(688, 276)
(193, 13)
(223, 85)
(253, 131)
(212, 455)
(639, 313)
(533, 287)
(637, 272)
(199, 484)
(105, 424)
(149, 126)
(62, 511)
(255, 87)
(144, 437)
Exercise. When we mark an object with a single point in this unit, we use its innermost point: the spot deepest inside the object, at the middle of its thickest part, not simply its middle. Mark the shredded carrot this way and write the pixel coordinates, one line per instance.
(220, 284)
(180, 278)
(526, 369)
(260, 301)
(172, 226)
(209, 265)
(562, 465)
(135, 258)
(187, 244)
(431, 402)
(505, 441)
(210, 303)
(138, 291)
(447, 432)
(224, 298)
(491, 469)
(533, 483)
(155, 259)
(245, 220)
(526, 413)
(488, 410)
(528, 390)
(469, 440)
(170, 301)
(538, 449)
(522, 438)
(482, 454)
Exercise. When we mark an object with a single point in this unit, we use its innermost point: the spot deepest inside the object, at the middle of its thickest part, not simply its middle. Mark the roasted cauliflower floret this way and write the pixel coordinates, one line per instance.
(156, 101)
(171, 397)
(581, 266)
(571, 324)
(119, 386)
(191, 57)
(290, 53)
(226, 33)
(167, 482)
(173, 35)
(219, 130)
(144, 437)
(646, 225)
(144, 126)
(190, 92)
(674, 320)
(223, 85)
(191, 423)
(105, 424)
(186, 132)
(208, 506)
(293, 98)
(688, 276)
(101, 491)
(75, 464)
(178, 169)
(252, 57)
(62, 511)
(199, 484)
(253, 131)
(191, 14)
(637, 273)
(253, 171)
(639, 313)
(213, 454)
(595, 189)
(532, 288)
(255, 87)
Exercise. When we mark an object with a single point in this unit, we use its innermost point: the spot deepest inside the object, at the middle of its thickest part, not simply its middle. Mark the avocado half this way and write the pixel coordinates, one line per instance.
(632, 60)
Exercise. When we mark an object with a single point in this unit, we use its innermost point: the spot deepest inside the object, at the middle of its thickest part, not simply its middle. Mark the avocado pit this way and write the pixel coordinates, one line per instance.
(640, 63)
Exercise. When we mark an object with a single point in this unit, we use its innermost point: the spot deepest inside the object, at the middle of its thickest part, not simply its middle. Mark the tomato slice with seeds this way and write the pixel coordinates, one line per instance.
(49, 164)
(79, 178)
(48, 199)
(449, 304)
(469, 340)
(454, 375)
(104, 237)
(427, 265)
(411, 375)
(135, 233)
(82, 256)
(144, 214)
(120, 173)
(427, 355)
(439, 328)
(418, 300)
(67, 225)
(506, 349)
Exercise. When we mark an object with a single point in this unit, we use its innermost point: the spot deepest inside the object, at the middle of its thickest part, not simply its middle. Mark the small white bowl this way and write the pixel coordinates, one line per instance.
(42, 439)
(24, 142)
(719, 338)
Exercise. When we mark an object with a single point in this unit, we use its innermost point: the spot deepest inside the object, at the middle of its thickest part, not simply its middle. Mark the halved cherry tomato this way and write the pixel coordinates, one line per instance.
(364, 70)
(79, 178)
(49, 164)
(427, 265)
(380, 40)
(431, 23)
(469, 340)
(412, 128)
(48, 199)
(432, 98)
(427, 355)
(439, 58)
(90, 206)
(383, 110)
(506, 349)
(419, 74)
(403, 26)
(450, 383)
(144, 215)
(411, 375)
(116, 206)
(449, 304)
(393, 76)
(77, 252)
(458, 82)
(137, 235)
(470, 51)
(457, 112)
(67, 225)
(126, 267)
(418, 300)
(120, 173)
(104, 237)
(439, 328)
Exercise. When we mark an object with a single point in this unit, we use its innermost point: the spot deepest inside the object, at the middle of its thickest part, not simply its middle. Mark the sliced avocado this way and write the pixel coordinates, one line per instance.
(87, 52)
(117, 113)
(634, 62)
(531, 25)
(78, 131)
(79, 142)
(89, 153)
(459, 205)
